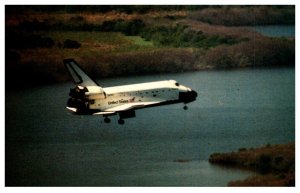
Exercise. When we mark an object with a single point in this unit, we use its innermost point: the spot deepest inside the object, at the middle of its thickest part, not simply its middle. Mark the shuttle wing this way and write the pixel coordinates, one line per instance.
(105, 113)
(126, 107)
(78, 74)
(131, 106)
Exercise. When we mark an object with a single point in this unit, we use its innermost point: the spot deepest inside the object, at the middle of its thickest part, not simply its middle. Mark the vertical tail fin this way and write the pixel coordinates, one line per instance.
(78, 75)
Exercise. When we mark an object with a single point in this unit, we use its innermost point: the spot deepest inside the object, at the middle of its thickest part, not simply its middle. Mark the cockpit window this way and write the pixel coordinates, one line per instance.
(177, 84)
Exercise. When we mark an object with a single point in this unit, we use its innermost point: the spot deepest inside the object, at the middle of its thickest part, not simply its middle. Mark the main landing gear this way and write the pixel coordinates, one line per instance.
(107, 120)
(120, 121)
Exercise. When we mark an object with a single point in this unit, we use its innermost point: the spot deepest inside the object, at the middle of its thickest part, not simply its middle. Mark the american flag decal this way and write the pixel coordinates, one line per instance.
(131, 100)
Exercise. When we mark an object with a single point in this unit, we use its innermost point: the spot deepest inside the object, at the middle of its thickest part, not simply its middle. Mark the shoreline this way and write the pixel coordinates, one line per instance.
(274, 164)
(12, 85)
(117, 43)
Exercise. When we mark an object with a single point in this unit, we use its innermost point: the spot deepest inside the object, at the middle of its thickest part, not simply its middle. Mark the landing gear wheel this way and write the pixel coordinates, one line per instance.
(121, 121)
(107, 120)
(185, 107)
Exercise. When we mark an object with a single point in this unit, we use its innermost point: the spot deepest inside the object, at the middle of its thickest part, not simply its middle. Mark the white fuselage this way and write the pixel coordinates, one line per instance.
(109, 97)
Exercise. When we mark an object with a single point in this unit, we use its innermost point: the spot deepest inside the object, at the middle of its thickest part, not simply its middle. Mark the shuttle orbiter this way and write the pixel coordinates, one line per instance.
(88, 98)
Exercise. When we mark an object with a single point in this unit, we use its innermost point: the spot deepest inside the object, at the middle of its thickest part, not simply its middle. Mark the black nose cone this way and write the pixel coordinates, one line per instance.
(188, 96)
(194, 94)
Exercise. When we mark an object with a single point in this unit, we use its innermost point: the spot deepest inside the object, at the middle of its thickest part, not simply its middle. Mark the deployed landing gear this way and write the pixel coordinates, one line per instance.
(121, 121)
(123, 115)
(107, 120)
(185, 107)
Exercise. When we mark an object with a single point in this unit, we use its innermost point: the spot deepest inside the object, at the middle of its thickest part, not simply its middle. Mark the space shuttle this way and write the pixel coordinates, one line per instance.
(89, 98)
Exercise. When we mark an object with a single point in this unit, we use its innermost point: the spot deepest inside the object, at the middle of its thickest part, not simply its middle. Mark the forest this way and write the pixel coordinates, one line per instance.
(128, 40)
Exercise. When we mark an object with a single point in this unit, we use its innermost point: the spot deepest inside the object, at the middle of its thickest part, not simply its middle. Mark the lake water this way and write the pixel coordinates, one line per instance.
(47, 146)
(275, 30)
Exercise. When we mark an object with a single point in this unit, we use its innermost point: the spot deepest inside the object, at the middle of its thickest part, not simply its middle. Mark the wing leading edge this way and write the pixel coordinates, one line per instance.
(125, 107)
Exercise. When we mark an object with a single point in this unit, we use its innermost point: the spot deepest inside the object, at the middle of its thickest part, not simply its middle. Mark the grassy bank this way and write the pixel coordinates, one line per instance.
(127, 41)
(274, 164)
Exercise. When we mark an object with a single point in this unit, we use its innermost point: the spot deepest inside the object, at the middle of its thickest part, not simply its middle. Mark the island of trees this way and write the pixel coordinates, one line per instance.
(274, 164)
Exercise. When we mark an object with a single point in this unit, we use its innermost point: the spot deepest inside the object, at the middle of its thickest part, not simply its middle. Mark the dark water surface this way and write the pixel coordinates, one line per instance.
(276, 30)
(47, 146)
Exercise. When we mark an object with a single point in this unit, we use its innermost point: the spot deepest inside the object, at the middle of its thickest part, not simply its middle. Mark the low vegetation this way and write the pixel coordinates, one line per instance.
(261, 52)
(127, 40)
(245, 16)
(274, 164)
(181, 36)
(71, 44)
